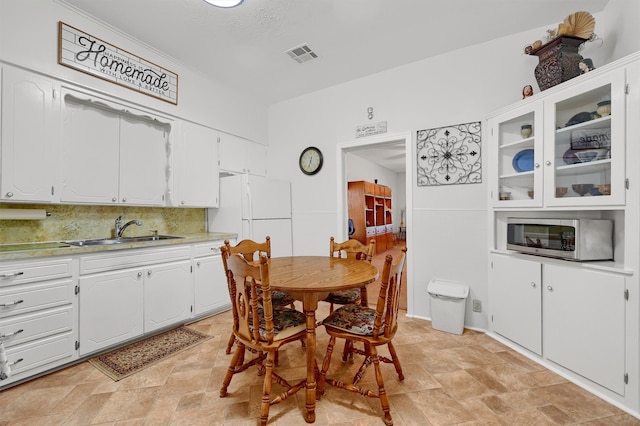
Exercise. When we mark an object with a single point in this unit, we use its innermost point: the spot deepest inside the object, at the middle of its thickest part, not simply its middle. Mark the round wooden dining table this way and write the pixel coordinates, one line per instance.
(310, 279)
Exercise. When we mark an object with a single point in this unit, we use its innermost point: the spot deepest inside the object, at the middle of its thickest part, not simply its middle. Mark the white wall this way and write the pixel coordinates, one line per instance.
(449, 223)
(29, 38)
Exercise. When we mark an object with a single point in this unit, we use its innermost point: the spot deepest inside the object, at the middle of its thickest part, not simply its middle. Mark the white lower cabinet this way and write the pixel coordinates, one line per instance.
(110, 308)
(168, 294)
(584, 323)
(516, 301)
(571, 315)
(117, 304)
(38, 316)
(210, 285)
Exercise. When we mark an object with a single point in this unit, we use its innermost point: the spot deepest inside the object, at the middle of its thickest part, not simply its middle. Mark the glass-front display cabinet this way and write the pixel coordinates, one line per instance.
(565, 149)
(518, 145)
(584, 143)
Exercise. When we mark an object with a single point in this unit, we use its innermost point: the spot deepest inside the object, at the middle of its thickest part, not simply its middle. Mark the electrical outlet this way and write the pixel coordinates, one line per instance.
(477, 305)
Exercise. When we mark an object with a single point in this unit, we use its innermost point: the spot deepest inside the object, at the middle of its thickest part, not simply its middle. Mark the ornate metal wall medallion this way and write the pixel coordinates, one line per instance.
(449, 155)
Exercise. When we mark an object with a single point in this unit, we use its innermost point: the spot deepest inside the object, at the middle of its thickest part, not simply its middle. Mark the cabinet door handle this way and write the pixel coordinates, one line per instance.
(533, 284)
(124, 200)
(16, 302)
(149, 272)
(114, 199)
(549, 288)
(215, 249)
(198, 264)
(11, 275)
(2, 336)
(9, 194)
(139, 274)
(548, 163)
(537, 165)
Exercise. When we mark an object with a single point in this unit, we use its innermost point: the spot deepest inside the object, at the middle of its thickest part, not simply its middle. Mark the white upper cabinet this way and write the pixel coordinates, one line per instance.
(565, 149)
(30, 137)
(91, 134)
(239, 155)
(195, 167)
(144, 160)
(113, 154)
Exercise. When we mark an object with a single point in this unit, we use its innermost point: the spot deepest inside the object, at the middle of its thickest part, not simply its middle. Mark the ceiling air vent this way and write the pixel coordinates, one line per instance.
(302, 54)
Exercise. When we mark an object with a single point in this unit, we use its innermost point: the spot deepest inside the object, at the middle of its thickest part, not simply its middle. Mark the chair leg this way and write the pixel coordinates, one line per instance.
(382, 393)
(237, 358)
(266, 388)
(232, 340)
(322, 377)
(396, 361)
(347, 353)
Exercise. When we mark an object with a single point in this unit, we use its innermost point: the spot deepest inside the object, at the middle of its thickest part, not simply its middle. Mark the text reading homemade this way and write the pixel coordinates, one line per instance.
(83, 52)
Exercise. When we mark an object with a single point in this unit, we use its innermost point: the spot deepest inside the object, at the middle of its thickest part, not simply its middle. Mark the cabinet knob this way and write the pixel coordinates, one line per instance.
(537, 165)
(139, 274)
(9, 194)
(549, 288)
(548, 163)
(533, 284)
(124, 200)
(149, 272)
(114, 199)
(182, 202)
(198, 264)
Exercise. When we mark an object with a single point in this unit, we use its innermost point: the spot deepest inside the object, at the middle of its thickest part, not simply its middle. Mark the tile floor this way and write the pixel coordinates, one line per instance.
(450, 380)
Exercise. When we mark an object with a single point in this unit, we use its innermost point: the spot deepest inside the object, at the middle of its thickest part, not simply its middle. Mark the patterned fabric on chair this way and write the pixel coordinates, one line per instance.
(352, 249)
(372, 327)
(251, 251)
(259, 328)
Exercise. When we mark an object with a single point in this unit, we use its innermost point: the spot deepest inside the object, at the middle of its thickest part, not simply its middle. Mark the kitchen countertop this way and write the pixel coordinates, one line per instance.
(28, 250)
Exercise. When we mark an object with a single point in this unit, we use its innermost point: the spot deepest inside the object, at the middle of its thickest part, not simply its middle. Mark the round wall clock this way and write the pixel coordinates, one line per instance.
(310, 160)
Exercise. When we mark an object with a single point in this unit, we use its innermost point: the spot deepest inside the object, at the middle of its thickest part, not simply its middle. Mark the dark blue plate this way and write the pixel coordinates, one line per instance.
(523, 161)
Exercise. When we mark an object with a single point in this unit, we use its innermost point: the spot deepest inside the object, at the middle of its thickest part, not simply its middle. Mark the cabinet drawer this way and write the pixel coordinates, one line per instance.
(210, 248)
(19, 329)
(132, 258)
(40, 352)
(30, 297)
(29, 271)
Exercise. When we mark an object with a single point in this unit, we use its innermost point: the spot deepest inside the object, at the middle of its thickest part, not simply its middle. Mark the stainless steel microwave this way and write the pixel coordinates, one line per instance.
(574, 239)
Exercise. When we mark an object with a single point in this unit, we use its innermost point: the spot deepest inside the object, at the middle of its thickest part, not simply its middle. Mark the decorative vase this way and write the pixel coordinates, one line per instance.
(559, 61)
(526, 130)
(604, 108)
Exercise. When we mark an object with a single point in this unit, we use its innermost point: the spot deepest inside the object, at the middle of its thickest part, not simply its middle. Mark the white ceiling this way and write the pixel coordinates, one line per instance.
(244, 47)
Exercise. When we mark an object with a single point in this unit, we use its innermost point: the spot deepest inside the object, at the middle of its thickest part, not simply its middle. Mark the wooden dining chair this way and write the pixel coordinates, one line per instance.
(352, 249)
(251, 251)
(372, 327)
(258, 327)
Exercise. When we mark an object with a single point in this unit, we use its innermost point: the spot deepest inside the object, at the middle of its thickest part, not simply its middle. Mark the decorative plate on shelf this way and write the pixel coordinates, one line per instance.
(523, 161)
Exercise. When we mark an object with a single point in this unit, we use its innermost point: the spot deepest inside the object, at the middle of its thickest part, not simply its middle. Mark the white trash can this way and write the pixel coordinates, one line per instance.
(448, 302)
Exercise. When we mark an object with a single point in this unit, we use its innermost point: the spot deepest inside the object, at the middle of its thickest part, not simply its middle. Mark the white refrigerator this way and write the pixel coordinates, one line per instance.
(254, 207)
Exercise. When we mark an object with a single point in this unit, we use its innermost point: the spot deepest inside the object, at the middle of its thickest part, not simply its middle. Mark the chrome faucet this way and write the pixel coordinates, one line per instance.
(120, 227)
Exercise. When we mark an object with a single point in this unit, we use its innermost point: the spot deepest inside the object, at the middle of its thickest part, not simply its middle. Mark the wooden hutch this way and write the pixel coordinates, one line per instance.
(370, 211)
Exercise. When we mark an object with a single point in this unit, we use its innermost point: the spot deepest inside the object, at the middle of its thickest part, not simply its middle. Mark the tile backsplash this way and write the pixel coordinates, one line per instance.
(79, 222)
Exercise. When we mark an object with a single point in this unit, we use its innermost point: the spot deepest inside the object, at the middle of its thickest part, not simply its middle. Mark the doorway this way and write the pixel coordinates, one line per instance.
(379, 141)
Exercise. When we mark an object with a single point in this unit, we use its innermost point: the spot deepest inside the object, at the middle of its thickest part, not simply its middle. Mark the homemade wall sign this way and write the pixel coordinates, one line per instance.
(85, 53)
(449, 155)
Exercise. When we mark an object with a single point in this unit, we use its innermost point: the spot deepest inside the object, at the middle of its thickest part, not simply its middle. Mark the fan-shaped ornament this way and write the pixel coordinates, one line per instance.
(582, 24)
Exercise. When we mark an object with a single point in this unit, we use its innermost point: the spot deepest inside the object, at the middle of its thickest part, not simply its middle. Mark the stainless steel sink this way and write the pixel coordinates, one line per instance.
(121, 240)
